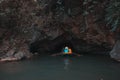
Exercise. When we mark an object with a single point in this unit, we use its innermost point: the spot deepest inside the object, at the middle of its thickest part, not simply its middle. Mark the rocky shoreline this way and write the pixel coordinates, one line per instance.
(8, 59)
(15, 57)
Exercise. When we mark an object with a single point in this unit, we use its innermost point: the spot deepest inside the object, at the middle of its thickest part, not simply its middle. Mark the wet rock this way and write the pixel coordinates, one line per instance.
(115, 53)
(8, 59)
(10, 52)
(19, 55)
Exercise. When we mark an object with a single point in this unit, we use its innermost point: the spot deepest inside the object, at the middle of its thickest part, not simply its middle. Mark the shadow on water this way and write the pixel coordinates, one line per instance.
(86, 67)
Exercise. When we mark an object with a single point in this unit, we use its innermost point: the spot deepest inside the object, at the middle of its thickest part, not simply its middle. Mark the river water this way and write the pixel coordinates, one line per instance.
(86, 67)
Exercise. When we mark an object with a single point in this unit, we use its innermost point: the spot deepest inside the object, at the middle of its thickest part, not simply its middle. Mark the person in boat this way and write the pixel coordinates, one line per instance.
(66, 51)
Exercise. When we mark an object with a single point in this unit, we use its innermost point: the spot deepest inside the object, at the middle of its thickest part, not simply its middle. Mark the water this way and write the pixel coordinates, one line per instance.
(62, 68)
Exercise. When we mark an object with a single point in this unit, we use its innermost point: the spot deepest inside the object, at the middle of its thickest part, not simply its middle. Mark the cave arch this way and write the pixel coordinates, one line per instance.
(52, 46)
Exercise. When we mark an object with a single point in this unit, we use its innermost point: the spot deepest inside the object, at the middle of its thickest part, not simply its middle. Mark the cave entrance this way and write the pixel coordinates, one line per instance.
(50, 47)
(53, 46)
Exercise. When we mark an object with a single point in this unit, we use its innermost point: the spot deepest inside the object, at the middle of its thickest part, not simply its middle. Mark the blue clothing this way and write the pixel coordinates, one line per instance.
(66, 50)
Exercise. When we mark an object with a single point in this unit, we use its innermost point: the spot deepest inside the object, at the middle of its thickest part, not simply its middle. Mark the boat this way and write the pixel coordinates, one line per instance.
(62, 54)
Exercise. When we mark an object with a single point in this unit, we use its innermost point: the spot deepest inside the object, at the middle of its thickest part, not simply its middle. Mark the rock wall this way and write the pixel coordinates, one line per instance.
(115, 53)
(24, 22)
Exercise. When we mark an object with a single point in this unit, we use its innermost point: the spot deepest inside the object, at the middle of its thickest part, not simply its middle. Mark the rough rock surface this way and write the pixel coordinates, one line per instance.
(115, 53)
(40, 23)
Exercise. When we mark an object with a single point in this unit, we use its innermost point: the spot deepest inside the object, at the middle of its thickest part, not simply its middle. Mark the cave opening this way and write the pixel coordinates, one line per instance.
(53, 46)
(50, 47)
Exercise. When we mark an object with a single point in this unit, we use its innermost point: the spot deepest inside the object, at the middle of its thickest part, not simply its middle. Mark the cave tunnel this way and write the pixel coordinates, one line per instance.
(46, 47)
(52, 46)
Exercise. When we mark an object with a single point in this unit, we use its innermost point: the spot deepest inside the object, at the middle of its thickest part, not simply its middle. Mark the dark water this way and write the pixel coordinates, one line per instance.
(62, 68)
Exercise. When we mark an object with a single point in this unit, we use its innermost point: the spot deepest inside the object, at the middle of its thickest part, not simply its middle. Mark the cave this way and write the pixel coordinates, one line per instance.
(47, 46)
(36, 47)
(52, 46)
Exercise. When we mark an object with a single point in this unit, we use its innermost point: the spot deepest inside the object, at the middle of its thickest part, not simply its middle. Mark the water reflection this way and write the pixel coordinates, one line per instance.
(66, 63)
(12, 67)
(61, 68)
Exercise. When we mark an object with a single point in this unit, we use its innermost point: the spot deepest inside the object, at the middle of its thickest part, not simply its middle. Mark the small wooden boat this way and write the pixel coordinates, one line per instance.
(63, 54)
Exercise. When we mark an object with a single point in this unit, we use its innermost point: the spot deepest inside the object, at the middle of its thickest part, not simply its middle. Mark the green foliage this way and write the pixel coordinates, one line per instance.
(112, 16)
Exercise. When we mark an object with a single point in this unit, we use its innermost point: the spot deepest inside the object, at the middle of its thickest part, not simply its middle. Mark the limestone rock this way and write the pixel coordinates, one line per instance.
(8, 59)
(115, 53)
(19, 55)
